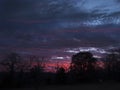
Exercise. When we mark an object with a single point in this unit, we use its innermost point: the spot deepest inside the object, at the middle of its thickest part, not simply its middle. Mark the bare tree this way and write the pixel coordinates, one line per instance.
(37, 62)
(11, 62)
(112, 64)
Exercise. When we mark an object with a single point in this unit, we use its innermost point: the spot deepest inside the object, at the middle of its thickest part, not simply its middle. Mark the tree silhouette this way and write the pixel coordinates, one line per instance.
(12, 63)
(113, 64)
(83, 66)
(61, 76)
(37, 70)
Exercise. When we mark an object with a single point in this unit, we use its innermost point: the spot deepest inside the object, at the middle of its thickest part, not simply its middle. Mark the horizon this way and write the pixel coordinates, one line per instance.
(59, 29)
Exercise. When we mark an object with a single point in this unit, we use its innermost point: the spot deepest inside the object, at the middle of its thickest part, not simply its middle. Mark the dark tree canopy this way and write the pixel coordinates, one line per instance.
(83, 66)
(82, 60)
(61, 75)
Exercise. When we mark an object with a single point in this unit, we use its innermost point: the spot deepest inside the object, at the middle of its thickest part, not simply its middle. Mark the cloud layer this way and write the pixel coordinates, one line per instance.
(55, 24)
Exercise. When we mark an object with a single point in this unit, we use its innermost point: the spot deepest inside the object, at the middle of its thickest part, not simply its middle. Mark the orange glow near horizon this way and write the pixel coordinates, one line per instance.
(100, 64)
(52, 66)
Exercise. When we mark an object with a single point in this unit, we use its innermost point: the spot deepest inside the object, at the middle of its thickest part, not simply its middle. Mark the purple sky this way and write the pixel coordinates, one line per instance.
(50, 27)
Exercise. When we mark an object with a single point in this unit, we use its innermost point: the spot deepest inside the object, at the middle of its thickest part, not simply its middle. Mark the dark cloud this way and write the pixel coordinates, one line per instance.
(59, 23)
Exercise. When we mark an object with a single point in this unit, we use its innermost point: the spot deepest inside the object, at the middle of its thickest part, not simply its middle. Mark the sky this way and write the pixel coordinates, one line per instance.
(59, 28)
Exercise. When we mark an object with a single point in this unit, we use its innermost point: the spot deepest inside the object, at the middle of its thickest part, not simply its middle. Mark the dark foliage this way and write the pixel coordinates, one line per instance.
(61, 76)
(83, 69)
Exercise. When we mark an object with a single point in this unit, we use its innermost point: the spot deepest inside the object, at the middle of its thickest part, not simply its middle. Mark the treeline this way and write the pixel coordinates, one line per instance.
(16, 72)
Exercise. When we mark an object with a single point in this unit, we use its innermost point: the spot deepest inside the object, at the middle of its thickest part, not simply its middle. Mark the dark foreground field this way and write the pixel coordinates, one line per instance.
(105, 86)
